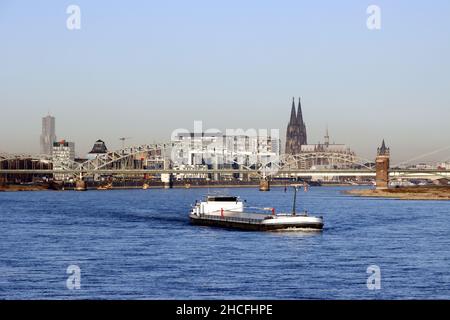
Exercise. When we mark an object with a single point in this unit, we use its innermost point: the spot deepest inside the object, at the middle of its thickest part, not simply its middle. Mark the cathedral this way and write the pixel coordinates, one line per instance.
(326, 154)
(296, 131)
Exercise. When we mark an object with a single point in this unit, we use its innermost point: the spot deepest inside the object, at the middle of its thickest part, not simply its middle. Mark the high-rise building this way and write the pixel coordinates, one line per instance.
(296, 130)
(48, 135)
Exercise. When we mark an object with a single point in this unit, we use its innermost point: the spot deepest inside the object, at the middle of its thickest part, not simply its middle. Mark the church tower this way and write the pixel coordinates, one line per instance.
(296, 130)
(382, 167)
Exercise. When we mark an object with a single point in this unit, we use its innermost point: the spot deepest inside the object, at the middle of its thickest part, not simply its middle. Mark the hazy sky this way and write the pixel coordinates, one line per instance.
(141, 69)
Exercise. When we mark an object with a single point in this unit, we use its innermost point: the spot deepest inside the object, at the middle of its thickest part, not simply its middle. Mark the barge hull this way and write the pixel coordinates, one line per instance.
(253, 226)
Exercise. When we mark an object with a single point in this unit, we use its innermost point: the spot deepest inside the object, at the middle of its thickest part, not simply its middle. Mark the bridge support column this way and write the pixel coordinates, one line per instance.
(80, 185)
(382, 167)
(168, 185)
(167, 179)
(264, 185)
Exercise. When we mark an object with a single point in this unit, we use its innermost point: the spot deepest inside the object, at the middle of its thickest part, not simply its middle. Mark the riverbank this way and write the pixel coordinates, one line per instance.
(153, 185)
(158, 185)
(406, 193)
(11, 188)
(20, 187)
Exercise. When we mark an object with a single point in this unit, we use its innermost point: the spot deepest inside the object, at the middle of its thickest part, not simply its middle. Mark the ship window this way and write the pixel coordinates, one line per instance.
(222, 199)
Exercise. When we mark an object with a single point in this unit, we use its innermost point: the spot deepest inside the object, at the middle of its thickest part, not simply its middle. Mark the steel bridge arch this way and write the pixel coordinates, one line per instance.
(161, 153)
(112, 157)
(24, 156)
(288, 161)
(88, 167)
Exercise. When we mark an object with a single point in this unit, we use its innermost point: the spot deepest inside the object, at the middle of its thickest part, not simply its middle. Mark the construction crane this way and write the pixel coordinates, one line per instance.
(123, 141)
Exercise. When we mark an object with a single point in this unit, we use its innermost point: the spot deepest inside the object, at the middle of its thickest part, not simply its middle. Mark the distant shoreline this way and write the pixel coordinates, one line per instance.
(33, 187)
(18, 188)
(406, 193)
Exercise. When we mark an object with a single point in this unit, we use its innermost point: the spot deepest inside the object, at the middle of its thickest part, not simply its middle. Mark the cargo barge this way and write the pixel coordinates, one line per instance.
(228, 212)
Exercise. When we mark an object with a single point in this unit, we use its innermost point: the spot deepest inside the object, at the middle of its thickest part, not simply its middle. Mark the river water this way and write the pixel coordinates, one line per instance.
(138, 244)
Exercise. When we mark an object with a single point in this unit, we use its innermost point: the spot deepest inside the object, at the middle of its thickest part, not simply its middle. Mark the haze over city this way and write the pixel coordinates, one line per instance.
(145, 69)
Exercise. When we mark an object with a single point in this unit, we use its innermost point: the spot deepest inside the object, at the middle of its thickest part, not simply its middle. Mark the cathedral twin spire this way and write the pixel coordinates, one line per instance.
(296, 130)
(296, 117)
(293, 114)
(300, 114)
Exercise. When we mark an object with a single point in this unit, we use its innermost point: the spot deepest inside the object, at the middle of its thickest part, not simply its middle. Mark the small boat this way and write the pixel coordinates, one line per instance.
(145, 186)
(228, 212)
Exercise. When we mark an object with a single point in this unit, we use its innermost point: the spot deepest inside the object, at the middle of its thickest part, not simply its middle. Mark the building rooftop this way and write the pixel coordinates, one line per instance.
(99, 147)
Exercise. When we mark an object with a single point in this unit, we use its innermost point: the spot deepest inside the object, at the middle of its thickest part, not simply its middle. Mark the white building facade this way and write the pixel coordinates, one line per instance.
(444, 165)
(63, 153)
(202, 151)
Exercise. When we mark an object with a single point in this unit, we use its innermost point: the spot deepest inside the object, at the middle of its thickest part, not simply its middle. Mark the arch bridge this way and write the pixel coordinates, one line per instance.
(130, 160)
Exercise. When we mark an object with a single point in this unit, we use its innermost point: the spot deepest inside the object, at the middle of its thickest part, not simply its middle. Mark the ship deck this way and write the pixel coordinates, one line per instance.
(243, 217)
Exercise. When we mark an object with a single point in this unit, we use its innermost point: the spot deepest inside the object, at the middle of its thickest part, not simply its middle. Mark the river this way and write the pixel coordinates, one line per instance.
(138, 244)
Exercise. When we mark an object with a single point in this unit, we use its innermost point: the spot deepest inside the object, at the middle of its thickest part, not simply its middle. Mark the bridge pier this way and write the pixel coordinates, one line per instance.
(168, 185)
(264, 185)
(80, 185)
(167, 179)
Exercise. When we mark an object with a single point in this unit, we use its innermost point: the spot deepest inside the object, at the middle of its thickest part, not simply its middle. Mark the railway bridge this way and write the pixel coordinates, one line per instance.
(155, 160)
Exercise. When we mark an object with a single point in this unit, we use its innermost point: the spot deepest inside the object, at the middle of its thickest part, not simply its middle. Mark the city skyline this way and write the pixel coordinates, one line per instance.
(115, 145)
(179, 62)
(326, 137)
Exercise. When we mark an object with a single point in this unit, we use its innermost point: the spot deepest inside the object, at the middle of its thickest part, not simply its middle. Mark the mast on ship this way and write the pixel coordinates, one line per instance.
(294, 205)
